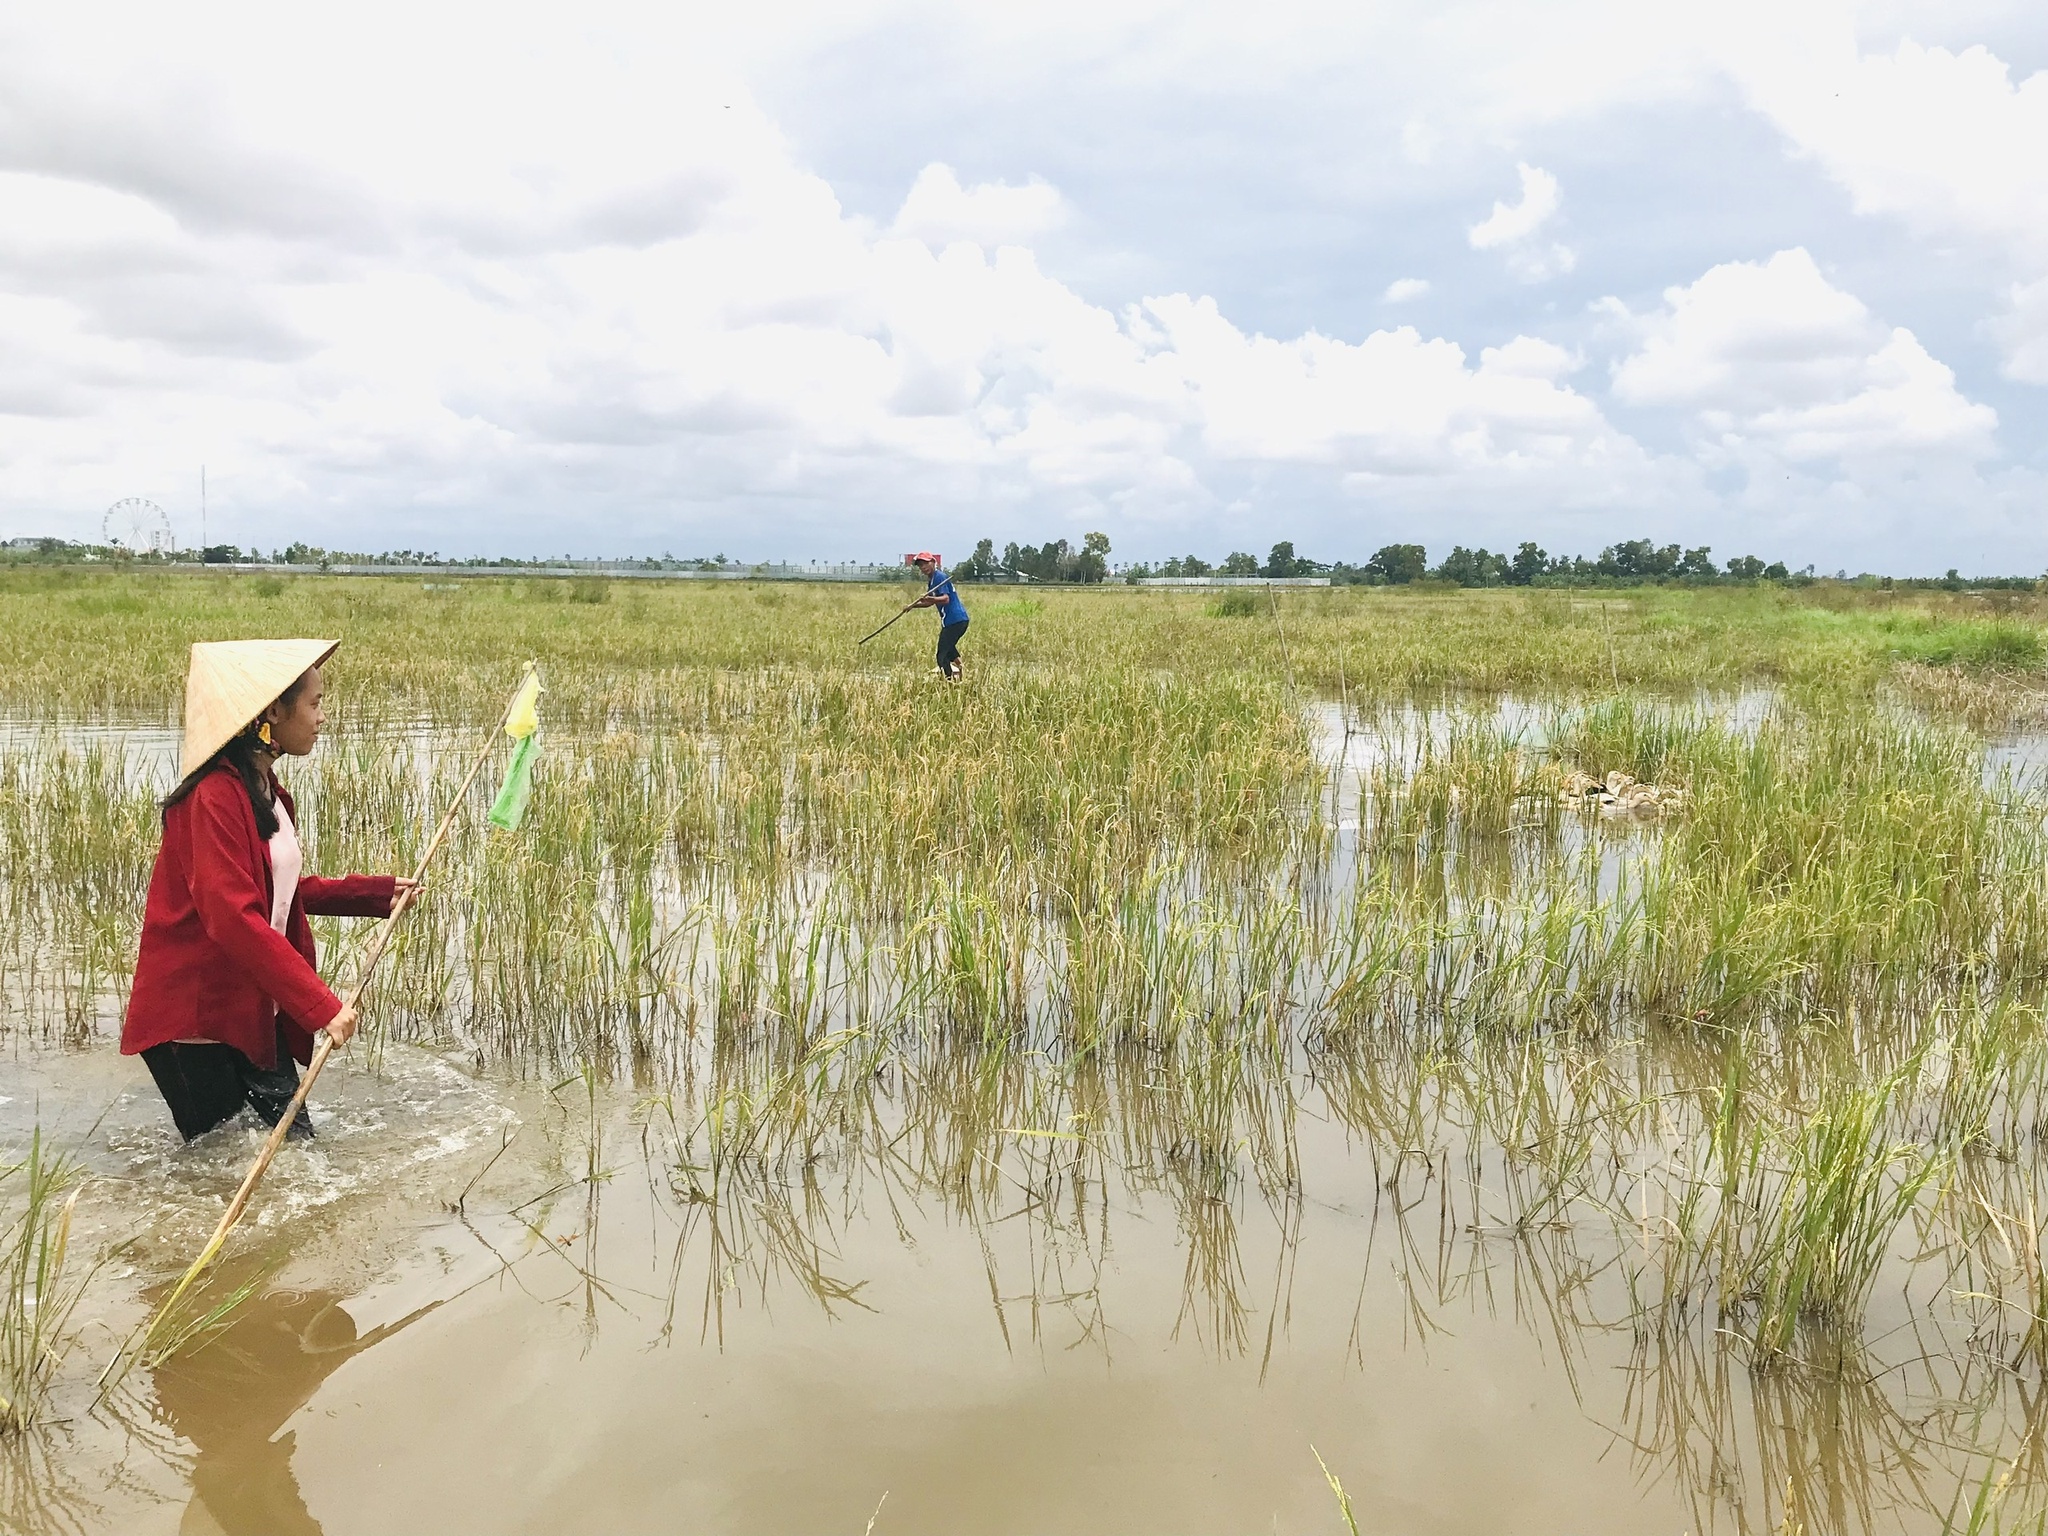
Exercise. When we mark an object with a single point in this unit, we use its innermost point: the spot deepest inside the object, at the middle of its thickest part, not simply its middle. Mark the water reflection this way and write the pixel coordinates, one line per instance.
(230, 1398)
(1532, 1183)
(44, 1490)
(1406, 1204)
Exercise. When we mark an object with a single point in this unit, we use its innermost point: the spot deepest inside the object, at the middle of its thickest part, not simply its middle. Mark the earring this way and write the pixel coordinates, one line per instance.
(263, 733)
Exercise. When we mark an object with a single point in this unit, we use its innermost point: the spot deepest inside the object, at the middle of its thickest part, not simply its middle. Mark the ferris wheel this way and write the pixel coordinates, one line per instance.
(139, 526)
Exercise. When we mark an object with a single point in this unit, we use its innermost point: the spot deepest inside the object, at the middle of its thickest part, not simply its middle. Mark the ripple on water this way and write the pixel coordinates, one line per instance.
(386, 1130)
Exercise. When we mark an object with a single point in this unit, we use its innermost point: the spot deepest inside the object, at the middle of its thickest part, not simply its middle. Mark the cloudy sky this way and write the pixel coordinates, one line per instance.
(836, 280)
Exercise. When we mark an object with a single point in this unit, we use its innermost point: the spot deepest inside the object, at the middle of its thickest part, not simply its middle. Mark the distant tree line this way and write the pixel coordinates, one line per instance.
(1632, 562)
(1055, 560)
(66, 551)
(1400, 565)
(313, 554)
(1636, 560)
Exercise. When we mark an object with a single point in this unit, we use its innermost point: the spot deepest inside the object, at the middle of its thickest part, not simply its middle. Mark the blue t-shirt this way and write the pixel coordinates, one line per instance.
(954, 611)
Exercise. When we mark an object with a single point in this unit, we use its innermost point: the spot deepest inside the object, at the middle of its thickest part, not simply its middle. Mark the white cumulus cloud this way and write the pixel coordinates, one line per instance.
(1514, 226)
(1771, 354)
(1510, 223)
(2024, 330)
(1942, 139)
(940, 210)
(1402, 290)
(1395, 403)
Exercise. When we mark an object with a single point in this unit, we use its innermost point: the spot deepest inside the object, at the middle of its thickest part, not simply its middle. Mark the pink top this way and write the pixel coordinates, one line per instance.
(287, 863)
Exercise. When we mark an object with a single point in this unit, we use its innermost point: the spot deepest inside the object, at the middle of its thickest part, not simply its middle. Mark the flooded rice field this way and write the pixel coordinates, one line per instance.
(1201, 1119)
(1051, 1347)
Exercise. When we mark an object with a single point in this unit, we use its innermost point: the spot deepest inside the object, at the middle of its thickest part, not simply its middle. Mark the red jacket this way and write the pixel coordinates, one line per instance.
(211, 966)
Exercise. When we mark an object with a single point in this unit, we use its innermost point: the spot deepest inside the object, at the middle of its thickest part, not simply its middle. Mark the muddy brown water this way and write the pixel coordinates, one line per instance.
(825, 1347)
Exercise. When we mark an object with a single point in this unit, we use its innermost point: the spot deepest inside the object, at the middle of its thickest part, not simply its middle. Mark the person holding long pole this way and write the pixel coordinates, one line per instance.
(940, 594)
(227, 994)
(393, 895)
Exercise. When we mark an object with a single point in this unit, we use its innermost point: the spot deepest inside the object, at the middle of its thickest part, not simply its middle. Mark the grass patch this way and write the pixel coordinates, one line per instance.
(38, 1284)
(1980, 645)
(125, 650)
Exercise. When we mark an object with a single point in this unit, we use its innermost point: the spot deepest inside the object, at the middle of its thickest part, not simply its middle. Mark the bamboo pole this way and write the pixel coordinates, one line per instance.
(321, 1052)
(864, 639)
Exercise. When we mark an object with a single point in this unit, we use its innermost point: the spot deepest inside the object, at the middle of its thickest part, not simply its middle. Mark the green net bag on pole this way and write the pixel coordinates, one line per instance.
(522, 724)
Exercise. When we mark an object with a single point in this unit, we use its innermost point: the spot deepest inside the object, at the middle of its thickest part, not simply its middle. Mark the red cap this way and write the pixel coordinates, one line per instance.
(922, 554)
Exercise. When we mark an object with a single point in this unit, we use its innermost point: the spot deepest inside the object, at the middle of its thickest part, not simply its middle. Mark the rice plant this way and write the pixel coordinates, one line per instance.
(40, 1281)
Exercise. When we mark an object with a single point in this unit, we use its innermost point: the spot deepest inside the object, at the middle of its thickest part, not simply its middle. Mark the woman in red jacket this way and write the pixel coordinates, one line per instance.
(226, 996)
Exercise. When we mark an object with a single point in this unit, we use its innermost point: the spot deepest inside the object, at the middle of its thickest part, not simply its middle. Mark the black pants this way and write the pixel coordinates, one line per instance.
(949, 646)
(207, 1085)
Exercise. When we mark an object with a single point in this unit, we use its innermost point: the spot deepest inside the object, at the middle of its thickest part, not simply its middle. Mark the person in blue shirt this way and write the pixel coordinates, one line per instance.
(939, 594)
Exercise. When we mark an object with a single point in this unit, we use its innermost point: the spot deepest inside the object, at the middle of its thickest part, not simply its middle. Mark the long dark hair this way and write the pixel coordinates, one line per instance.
(241, 755)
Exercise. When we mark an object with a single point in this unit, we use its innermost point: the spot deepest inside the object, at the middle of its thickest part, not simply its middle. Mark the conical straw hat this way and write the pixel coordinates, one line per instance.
(234, 681)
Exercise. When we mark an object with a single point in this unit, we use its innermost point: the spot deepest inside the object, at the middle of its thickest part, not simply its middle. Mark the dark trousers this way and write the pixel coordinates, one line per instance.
(207, 1085)
(949, 646)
